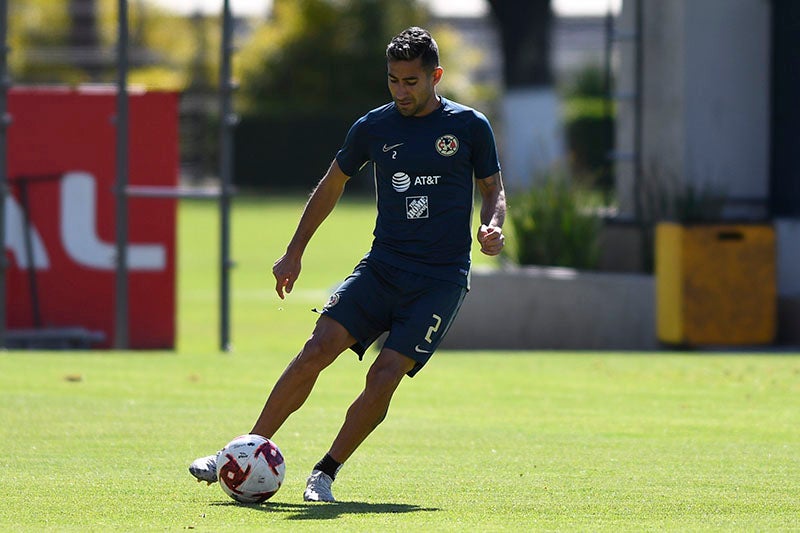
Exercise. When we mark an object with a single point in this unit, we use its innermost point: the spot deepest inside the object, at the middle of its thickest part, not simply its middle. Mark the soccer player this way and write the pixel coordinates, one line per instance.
(426, 153)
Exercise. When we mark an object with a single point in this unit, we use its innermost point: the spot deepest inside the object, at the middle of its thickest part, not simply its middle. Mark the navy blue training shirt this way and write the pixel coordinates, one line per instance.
(423, 169)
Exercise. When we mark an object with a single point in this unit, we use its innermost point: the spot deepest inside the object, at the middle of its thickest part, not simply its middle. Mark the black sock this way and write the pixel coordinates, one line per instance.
(328, 465)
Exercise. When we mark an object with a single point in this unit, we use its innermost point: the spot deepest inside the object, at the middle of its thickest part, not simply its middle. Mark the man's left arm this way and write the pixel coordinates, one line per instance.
(493, 214)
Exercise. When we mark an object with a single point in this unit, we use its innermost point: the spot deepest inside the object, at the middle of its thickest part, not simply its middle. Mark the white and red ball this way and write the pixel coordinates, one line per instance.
(250, 469)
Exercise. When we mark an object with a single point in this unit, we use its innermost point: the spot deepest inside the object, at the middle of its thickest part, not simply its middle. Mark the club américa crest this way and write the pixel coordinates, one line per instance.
(447, 145)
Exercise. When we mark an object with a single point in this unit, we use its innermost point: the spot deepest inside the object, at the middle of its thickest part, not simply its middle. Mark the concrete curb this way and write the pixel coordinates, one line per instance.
(533, 308)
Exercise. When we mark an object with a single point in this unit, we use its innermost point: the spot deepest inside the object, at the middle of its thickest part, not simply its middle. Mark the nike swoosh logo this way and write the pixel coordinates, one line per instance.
(387, 148)
(420, 350)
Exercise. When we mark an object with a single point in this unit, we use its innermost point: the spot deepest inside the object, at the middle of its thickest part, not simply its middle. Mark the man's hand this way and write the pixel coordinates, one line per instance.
(491, 238)
(320, 204)
(286, 271)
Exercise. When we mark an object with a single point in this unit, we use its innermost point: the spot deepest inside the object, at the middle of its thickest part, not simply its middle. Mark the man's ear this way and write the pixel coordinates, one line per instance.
(437, 75)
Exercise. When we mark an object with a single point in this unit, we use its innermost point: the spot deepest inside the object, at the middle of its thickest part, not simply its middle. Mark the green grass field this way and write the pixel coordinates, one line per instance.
(479, 441)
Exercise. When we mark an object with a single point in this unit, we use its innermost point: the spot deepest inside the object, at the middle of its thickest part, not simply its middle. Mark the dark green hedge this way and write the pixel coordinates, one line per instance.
(289, 153)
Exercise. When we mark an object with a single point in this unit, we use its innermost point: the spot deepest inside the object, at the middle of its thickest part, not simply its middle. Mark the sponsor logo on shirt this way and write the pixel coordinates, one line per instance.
(402, 181)
(426, 180)
(447, 145)
(416, 207)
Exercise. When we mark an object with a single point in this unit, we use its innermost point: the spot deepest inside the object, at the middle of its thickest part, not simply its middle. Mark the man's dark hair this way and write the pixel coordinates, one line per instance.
(412, 43)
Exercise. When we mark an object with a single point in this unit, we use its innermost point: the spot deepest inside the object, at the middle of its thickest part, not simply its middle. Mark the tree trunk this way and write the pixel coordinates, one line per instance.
(84, 37)
(532, 135)
(525, 33)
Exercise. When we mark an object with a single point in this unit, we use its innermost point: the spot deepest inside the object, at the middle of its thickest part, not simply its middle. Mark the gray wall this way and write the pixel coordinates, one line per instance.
(727, 88)
(705, 97)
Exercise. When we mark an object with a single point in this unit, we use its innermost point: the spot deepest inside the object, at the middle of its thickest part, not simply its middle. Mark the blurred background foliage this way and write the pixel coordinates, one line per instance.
(555, 224)
(313, 56)
(589, 128)
(74, 41)
(306, 56)
(305, 72)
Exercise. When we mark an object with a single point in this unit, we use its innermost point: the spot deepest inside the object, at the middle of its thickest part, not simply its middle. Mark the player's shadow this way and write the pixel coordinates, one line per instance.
(327, 511)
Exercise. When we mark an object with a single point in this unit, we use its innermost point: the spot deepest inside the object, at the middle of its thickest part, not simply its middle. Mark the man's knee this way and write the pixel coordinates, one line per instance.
(328, 340)
(388, 370)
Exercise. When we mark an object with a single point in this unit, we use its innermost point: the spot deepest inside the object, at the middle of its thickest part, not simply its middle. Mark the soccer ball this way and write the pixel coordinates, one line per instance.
(250, 469)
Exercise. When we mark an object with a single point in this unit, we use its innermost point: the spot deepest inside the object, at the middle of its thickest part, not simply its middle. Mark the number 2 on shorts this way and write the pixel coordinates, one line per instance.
(434, 328)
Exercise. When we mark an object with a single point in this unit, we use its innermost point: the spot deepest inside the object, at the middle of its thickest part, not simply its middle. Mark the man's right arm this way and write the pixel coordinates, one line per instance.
(322, 201)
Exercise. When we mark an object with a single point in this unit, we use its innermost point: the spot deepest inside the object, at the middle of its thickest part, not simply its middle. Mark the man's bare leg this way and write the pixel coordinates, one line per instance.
(363, 416)
(328, 340)
(371, 406)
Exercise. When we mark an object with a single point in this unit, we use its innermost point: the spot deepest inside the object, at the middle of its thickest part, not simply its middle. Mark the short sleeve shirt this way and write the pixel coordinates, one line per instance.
(423, 169)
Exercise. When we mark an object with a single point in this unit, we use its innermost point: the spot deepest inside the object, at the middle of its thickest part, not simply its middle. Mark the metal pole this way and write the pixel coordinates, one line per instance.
(609, 36)
(4, 123)
(638, 169)
(227, 122)
(608, 122)
(121, 300)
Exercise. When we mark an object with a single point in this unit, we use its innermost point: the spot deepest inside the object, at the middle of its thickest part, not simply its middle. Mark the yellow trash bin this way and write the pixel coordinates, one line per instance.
(715, 284)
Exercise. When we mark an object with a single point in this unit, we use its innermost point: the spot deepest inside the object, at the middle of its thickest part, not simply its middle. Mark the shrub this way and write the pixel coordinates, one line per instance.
(589, 127)
(554, 225)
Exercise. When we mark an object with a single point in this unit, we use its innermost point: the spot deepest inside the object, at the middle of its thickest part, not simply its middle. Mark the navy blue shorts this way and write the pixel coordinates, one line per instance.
(416, 310)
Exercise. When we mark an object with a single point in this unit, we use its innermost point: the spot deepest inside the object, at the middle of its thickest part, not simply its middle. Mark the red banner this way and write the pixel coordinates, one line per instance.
(61, 168)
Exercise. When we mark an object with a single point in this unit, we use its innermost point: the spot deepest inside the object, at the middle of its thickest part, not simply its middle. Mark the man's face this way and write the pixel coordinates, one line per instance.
(413, 87)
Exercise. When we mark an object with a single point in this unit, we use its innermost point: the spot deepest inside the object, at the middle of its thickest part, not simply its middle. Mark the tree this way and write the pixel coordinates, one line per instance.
(74, 42)
(317, 56)
(35, 29)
